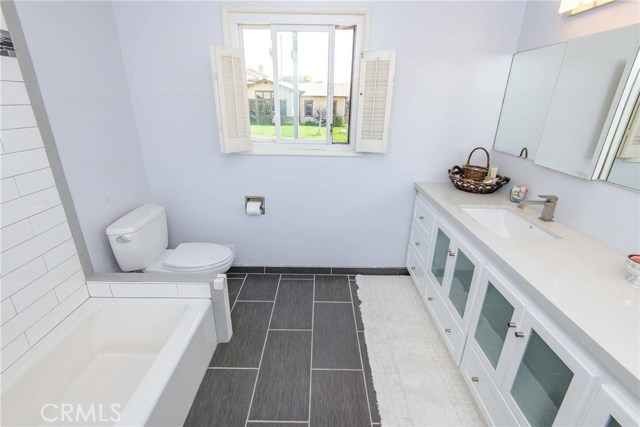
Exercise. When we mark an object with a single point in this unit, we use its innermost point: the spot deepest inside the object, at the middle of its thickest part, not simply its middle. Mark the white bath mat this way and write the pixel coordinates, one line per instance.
(416, 381)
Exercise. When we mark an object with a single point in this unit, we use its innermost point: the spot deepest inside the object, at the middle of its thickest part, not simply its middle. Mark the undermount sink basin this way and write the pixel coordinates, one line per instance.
(507, 224)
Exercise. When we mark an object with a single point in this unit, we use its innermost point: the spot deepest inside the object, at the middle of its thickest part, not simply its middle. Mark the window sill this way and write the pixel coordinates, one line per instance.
(299, 152)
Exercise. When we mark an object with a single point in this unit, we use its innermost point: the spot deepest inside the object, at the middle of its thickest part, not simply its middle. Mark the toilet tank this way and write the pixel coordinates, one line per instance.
(139, 237)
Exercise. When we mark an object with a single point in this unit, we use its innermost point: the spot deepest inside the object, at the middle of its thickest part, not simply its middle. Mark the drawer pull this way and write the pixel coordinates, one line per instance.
(417, 243)
(430, 298)
(413, 268)
(475, 379)
(448, 251)
(511, 324)
(519, 334)
(447, 330)
(420, 217)
(452, 254)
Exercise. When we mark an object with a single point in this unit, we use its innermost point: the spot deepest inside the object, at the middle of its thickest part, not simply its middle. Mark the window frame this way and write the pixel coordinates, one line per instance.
(235, 19)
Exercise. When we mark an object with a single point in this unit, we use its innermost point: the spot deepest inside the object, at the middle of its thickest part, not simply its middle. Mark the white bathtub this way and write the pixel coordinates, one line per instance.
(114, 362)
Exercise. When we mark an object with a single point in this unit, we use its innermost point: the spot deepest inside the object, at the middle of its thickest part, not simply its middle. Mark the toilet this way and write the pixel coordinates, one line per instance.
(139, 241)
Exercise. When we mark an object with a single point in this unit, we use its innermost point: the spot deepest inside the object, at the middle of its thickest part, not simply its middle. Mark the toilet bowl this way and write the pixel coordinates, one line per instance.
(194, 258)
(139, 241)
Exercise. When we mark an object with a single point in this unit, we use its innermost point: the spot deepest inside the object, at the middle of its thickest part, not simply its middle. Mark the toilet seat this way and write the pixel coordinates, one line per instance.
(197, 257)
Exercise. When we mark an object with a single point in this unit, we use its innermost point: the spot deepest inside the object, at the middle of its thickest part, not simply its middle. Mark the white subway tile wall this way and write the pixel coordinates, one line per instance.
(42, 280)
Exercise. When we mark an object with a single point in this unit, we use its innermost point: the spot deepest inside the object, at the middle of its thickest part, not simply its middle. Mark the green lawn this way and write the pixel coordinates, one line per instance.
(305, 132)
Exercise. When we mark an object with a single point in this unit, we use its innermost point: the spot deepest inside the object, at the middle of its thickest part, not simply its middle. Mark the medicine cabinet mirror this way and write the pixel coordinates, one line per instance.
(561, 102)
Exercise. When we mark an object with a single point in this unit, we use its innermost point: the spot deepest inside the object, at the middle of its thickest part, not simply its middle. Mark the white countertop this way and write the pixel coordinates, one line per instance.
(579, 281)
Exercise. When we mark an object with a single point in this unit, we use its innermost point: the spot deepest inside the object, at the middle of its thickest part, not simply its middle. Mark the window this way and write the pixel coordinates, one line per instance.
(332, 95)
(308, 109)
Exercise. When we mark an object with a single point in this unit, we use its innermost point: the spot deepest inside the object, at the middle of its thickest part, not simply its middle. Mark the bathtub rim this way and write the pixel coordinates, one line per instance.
(194, 314)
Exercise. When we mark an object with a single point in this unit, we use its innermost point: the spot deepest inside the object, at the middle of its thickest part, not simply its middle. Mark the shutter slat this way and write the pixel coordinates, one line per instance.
(374, 104)
(232, 100)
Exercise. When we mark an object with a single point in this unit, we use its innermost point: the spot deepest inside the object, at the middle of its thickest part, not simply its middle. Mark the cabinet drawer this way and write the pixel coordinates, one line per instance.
(416, 270)
(493, 407)
(448, 327)
(423, 216)
(420, 242)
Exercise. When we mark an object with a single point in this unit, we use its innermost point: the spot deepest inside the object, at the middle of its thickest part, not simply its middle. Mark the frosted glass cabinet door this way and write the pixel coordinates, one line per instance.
(440, 256)
(545, 383)
(465, 267)
(497, 312)
(612, 408)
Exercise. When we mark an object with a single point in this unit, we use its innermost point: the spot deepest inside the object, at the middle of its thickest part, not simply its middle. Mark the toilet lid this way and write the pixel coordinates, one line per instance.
(188, 256)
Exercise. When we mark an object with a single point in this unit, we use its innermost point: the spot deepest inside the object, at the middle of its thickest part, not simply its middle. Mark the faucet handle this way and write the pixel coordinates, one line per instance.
(549, 197)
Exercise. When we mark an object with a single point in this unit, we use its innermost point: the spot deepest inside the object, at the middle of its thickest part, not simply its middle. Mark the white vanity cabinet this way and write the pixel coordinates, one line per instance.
(520, 364)
(450, 289)
(611, 408)
(497, 314)
(548, 379)
(419, 243)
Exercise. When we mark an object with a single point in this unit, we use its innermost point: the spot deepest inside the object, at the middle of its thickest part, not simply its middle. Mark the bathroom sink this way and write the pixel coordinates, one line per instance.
(507, 224)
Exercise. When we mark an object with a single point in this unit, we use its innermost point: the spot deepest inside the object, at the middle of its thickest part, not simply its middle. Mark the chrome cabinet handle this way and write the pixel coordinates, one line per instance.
(420, 217)
(429, 298)
(452, 254)
(475, 379)
(511, 324)
(123, 239)
(413, 268)
(519, 334)
(447, 330)
(417, 243)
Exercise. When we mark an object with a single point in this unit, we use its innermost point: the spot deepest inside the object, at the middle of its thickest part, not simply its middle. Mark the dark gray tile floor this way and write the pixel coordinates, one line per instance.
(297, 356)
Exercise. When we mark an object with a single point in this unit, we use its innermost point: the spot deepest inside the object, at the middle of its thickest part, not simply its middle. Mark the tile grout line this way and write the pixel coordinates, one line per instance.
(254, 300)
(221, 368)
(333, 302)
(364, 378)
(264, 345)
(336, 369)
(239, 290)
(313, 309)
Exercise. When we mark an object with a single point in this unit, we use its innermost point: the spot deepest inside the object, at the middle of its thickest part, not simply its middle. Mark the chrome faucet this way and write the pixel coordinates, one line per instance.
(549, 208)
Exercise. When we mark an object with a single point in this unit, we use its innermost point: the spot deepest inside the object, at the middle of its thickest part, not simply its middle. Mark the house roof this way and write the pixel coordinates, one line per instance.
(286, 85)
(320, 89)
(313, 89)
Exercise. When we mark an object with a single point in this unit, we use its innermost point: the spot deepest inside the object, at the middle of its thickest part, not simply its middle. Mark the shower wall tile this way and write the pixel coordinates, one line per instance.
(42, 280)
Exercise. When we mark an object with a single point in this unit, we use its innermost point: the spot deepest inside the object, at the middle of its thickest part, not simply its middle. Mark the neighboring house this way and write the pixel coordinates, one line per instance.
(312, 96)
(261, 92)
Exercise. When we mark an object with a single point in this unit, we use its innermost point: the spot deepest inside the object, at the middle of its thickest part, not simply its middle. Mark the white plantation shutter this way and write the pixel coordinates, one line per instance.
(374, 102)
(232, 100)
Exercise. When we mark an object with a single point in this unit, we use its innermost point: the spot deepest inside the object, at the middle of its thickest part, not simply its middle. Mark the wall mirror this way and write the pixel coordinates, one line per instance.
(532, 80)
(561, 100)
(620, 160)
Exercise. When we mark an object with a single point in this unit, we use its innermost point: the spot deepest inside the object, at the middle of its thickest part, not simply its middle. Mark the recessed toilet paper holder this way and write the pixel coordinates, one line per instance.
(259, 199)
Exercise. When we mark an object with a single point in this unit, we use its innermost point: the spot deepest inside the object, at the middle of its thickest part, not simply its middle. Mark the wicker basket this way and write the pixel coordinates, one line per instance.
(471, 186)
(476, 173)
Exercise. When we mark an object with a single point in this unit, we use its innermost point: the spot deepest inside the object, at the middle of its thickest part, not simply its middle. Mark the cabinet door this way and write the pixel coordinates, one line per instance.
(547, 381)
(610, 409)
(496, 312)
(440, 255)
(465, 269)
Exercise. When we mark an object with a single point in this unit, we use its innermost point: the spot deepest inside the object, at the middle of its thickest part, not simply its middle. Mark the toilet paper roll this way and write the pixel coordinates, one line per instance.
(253, 208)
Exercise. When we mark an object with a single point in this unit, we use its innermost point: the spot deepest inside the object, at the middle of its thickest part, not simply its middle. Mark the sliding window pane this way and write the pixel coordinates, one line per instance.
(257, 53)
(342, 77)
(303, 64)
